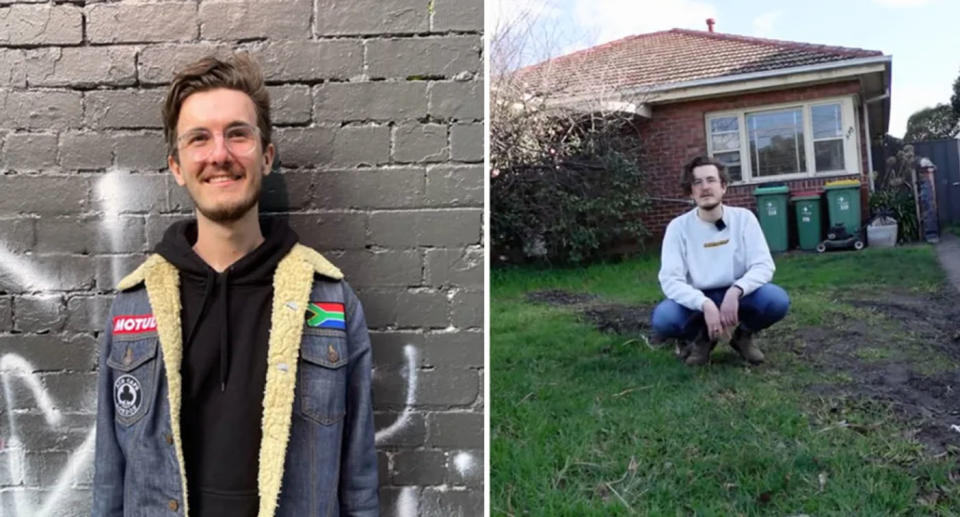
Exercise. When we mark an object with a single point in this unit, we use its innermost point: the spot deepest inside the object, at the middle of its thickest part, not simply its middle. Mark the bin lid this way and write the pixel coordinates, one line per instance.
(839, 184)
(762, 191)
(805, 195)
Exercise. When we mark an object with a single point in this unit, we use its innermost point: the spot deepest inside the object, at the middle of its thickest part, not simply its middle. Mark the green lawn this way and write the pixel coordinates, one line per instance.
(585, 423)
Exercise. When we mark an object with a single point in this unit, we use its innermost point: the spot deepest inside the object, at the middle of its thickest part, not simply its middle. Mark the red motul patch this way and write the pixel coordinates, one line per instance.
(134, 324)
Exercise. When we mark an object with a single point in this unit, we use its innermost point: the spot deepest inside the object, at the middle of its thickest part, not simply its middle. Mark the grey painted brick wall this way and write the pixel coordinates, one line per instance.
(379, 112)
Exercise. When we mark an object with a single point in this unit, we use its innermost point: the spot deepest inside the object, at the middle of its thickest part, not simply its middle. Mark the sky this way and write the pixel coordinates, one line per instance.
(922, 36)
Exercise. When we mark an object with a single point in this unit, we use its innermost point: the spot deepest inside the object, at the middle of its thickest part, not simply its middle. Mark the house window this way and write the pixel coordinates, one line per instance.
(785, 142)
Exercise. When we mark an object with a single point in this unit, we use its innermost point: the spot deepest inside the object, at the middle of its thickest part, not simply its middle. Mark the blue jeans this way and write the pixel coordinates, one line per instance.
(758, 310)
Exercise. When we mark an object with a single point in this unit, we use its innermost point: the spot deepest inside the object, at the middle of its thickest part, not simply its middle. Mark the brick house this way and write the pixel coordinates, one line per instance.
(774, 111)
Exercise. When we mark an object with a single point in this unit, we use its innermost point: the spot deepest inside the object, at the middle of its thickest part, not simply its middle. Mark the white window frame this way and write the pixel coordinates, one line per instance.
(849, 125)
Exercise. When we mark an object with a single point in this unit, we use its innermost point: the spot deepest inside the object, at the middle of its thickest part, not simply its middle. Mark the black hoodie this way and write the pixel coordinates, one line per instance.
(225, 326)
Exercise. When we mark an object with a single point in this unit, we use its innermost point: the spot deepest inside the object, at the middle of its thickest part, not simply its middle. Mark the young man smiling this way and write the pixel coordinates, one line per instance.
(715, 271)
(235, 370)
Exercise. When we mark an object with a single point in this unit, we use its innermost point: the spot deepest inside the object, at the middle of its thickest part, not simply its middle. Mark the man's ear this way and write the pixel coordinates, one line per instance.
(174, 166)
(268, 155)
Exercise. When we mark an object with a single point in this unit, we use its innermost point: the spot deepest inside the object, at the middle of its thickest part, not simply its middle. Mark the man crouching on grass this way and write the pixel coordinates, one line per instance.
(715, 271)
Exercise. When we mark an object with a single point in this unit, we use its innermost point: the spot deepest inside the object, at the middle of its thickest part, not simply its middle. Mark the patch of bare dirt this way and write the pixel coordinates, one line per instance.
(627, 320)
(559, 297)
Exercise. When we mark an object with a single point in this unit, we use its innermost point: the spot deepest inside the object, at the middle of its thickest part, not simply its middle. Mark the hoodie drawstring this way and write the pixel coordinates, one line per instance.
(224, 328)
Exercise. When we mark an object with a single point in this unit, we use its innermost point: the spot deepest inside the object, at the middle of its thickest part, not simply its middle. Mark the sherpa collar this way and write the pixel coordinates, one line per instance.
(292, 283)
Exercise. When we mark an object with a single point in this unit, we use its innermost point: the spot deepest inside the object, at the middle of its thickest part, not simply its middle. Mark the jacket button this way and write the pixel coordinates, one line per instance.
(332, 354)
(169, 438)
(173, 505)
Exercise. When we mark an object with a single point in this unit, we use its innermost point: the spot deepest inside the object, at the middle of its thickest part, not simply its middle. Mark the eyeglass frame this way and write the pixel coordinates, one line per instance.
(258, 135)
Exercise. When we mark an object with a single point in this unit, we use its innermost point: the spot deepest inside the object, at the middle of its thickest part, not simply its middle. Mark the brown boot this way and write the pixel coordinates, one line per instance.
(700, 349)
(742, 342)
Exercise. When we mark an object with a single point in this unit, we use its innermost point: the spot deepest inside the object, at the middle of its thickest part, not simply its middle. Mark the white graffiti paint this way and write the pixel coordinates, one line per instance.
(12, 368)
(109, 191)
(465, 463)
(407, 502)
(25, 274)
(410, 352)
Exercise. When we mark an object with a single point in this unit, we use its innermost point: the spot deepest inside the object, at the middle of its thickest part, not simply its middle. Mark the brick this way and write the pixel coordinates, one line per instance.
(380, 101)
(41, 109)
(81, 66)
(425, 227)
(124, 108)
(457, 266)
(411, 433)
(110, 269)
(448, 387)
(178, 198)
(24, 152)
(371, 17)
(415, 142)
(390, 390)
(454, 185)
(457, 100)
(53, 352)
(140, 151)
(13, 72)
(393, 500)
(285, 191)
(88, 313)
(451, 502)
(369, 188)
(422, 467)
(406, 309)
(466, 142)
(332, 230)
(465, 467)
(46, 438)
(390, 347)
(45, 273)
(380, 307)
(380, 268)
(142, 22)
(157, 224)
(290, 104)
(361, 145)
(6, 314)
(280, 20)
(457, 15)
(17, 235)
(311, 60)
(84, 151)
(456, 349)
(86, 235)
(41, 25)
(438, 57)
(467, 309)
(459, 430)
(38, 313)
(20, 194)
(135, 193)
(157, 64)
(305, 147)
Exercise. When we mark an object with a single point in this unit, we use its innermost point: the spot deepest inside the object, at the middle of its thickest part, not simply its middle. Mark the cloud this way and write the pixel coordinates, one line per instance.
(763, 24)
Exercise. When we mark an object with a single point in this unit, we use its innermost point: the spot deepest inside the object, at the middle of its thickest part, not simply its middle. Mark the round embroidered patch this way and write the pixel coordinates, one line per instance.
(127, 395)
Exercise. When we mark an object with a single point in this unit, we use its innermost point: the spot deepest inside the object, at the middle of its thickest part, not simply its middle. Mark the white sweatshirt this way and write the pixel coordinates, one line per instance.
(696, 256)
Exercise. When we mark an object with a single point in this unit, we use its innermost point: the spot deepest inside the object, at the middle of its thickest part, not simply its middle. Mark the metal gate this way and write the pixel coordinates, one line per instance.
(945, 154)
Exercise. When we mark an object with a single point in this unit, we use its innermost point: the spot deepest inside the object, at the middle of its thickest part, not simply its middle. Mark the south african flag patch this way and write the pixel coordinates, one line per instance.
(326, 315)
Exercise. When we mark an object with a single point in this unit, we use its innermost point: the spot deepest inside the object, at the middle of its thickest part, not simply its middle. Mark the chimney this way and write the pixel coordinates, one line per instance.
(710, 22)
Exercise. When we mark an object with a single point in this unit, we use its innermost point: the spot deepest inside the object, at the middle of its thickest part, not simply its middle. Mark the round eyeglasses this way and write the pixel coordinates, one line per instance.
(199, 144)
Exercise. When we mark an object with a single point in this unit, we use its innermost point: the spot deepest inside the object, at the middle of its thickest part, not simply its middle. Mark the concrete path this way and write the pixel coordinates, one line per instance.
(948, 251)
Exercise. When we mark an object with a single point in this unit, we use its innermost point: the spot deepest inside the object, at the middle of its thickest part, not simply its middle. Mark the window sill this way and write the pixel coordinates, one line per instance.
(792, 177)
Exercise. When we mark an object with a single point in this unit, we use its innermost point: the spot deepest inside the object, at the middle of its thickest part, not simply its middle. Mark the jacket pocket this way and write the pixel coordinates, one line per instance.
(133, 366)
(322, 378)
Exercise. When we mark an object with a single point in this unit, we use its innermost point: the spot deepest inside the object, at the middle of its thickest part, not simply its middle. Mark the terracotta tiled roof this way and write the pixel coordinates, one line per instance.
(675, 56)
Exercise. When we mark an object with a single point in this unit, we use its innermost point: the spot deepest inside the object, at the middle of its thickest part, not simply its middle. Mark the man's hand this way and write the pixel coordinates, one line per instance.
(730, 308)
(711, 316)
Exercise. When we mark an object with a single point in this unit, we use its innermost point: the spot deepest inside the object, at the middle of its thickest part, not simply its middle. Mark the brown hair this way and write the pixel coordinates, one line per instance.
(686, 179)
(240, 72)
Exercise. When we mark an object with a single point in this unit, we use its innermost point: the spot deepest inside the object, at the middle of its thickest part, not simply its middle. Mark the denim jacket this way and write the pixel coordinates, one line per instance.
(317, 453)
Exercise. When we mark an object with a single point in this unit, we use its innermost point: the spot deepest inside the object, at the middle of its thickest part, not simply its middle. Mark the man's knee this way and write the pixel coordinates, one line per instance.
(776, 301)
(667, 319)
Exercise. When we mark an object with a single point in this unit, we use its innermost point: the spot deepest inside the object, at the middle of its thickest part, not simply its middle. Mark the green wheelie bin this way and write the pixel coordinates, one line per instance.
(843, 204)
(809, 222)
(772, 213)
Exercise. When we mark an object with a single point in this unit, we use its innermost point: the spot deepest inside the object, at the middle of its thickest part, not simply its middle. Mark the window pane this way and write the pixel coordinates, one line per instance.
(776, 142)
(723, 124)
(829, 155)
(725, 141)
(826, 121)
(732, 161)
